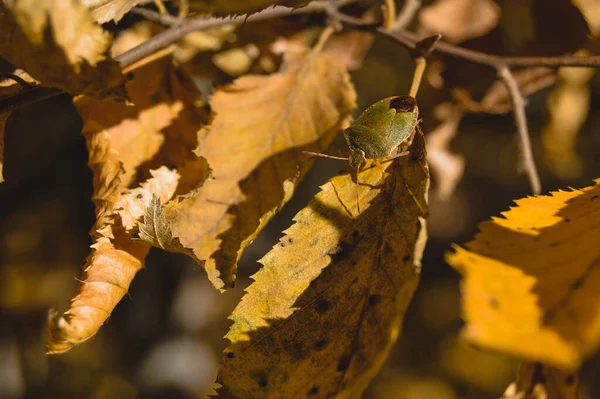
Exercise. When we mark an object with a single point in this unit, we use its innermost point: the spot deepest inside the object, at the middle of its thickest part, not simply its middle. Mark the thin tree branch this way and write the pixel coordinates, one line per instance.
(175, 33)
(16, 78)
(163, 19)
(406, 14)
(527, 163)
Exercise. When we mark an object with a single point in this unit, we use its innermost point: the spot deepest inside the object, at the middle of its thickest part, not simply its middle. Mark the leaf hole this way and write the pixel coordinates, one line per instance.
(314, 390)
(230, 355)
(406, 258)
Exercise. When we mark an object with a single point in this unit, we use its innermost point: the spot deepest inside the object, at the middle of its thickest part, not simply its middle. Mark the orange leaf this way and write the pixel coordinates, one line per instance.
(254, 150)
(530, 279)
(127, 145)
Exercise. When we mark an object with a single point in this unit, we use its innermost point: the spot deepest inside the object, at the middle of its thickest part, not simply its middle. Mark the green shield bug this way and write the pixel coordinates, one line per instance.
(379, 131)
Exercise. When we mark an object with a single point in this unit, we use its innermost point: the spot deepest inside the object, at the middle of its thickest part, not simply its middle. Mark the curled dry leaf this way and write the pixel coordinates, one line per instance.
(125, 144)
(328, 304)
(109, 10)
(459, 20)
(238, 7)
(58, 43)
(156, 230)
(530, 279)
(539, 381)
(253, 147)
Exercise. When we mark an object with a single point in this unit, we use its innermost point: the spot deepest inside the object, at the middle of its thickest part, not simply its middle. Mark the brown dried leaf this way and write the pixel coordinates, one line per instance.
(124, 144)
(328, 304)
(156, 230)
(109, 10)
(57, 42)
(115, 256)
(459, 20)
(254, 149)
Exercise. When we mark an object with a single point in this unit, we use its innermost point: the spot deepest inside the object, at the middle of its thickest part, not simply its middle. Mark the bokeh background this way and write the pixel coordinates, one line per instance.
(164, 340)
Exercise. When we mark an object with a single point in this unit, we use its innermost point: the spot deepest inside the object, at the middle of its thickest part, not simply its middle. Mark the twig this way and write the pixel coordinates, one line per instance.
(526, 154)
(406, 14)
(184, 8)
(175, 33)
(180, 28)
(27, 97)
(389, 14)
(16, 78)
(163, 19)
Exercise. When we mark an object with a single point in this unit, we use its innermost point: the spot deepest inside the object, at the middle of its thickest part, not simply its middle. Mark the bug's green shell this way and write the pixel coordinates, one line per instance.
(383, 126)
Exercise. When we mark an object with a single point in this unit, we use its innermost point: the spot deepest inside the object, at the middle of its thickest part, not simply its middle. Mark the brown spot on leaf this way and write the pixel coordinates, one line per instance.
(374, 299)
(321, 344)
(322, 305)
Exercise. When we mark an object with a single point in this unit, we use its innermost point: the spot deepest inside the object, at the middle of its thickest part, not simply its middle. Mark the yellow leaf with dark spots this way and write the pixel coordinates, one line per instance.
(328, 304)
(254, 149)
(531, 279)
(58, 43)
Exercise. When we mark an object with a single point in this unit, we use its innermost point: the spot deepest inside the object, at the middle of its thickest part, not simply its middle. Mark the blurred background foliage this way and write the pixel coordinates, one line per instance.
(165, 339)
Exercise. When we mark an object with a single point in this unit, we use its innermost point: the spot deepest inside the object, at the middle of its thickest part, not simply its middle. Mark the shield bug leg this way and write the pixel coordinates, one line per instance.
(316, 154)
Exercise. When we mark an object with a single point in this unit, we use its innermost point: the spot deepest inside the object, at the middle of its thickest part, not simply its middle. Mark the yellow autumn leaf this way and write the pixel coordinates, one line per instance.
(253, 146)
(58, 43)
(236, 7)
(531, 279)
(328, 304)
(128, 145)
(109, 10)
